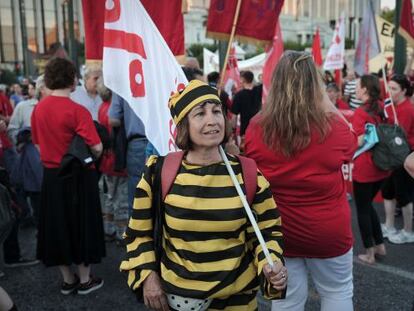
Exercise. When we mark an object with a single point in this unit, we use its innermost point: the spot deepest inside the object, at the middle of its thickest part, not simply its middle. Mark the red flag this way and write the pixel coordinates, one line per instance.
(166, 15)
(231, 79)
(168, 18)
(93, 19)
(273, 55)
(406, 28)
(338, 78)
(316, 49)
(256, 22)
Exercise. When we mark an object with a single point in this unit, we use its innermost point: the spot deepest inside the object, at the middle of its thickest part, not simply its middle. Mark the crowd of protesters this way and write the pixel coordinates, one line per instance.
(76, 164)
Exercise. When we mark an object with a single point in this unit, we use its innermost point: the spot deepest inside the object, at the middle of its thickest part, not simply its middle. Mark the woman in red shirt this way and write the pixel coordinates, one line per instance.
(300, 142)
(70, 220)
(367, 177)
(399, 187)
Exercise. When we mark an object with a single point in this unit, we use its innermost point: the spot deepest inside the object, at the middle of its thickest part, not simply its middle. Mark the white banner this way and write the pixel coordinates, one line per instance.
(335, 57)
(139, 66)
(254, 64)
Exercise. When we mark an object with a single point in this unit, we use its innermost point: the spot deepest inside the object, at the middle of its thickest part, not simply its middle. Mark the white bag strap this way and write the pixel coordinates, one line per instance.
(246, 207)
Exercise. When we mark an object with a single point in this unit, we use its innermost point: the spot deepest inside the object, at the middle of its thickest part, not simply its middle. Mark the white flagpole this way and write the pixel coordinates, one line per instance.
(247, 208)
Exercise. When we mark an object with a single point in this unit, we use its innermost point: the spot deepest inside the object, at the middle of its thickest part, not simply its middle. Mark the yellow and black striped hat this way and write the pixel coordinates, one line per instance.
(195, 93)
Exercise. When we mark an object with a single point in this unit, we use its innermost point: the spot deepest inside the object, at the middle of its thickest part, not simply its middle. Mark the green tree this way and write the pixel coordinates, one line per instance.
(7, 77)
(388, 15)
(196, 50)
(294, 45)
(259, 50)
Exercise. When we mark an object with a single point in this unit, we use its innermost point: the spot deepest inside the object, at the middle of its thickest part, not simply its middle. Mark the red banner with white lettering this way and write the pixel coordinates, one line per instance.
(166, 14)
(256, 22)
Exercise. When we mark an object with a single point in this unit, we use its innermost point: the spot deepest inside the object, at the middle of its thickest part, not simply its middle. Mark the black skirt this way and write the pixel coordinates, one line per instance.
(70, 221)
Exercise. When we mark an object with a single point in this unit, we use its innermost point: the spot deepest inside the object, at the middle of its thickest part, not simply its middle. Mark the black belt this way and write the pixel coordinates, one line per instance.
(136, 136)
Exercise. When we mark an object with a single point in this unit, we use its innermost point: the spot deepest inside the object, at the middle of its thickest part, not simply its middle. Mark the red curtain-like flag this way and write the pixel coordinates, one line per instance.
(168, 18)
(406, 28)
(316, 49)
(166, 14)
(93, 19)
(256, 22)
(273, 55)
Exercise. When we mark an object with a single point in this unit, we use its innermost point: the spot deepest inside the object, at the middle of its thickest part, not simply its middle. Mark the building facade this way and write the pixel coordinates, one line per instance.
(29, 28)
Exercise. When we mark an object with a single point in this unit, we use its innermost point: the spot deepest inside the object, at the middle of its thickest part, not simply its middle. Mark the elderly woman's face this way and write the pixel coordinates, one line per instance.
(206, 125)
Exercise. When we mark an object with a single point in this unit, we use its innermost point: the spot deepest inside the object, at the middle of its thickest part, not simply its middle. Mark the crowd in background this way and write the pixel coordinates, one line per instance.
(115, 137)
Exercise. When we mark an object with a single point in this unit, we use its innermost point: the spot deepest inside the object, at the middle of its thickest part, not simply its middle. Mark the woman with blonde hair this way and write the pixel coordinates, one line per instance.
(300, 142)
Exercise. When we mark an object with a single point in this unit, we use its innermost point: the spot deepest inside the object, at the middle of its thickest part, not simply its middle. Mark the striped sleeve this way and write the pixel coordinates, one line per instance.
(140, 256)
(269, 222)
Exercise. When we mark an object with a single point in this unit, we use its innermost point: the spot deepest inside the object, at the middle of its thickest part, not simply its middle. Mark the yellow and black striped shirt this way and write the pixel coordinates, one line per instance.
(210, 249)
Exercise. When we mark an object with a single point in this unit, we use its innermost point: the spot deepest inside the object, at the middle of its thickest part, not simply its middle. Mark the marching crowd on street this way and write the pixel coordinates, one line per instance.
(75, 163)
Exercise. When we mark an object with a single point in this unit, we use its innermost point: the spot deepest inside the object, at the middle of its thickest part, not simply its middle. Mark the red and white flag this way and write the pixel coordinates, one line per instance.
(273, 55)
(316, 49)
(231, 79)
(166, 14)
(336, 53)
(139, 66)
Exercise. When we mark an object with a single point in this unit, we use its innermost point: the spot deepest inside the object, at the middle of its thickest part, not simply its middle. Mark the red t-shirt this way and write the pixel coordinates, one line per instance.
(6, 108)
(55, 121)
(405, 115)
(340, 104)
(310, 190)
(365, 170)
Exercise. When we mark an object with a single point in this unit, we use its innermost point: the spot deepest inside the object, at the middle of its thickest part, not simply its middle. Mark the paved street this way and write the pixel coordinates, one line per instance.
(387, 286)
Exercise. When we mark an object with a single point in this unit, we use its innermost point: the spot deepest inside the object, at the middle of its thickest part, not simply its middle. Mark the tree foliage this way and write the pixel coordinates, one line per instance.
(388, 15)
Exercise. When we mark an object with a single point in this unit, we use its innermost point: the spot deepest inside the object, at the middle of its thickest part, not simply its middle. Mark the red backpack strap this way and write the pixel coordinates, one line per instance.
(249, 171)
(169, 171)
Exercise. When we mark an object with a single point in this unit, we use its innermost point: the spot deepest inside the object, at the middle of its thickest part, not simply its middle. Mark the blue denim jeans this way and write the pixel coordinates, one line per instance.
(135, 166)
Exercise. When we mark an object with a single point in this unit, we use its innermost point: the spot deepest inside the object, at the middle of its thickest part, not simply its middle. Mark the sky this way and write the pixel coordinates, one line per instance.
(388, 3)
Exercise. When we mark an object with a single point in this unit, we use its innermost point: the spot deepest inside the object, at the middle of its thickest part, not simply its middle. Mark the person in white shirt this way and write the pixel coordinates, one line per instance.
(87, 94)
(23, 111)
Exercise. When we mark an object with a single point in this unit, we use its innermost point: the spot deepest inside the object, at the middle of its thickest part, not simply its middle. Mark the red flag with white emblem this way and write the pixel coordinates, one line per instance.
(231, 79)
